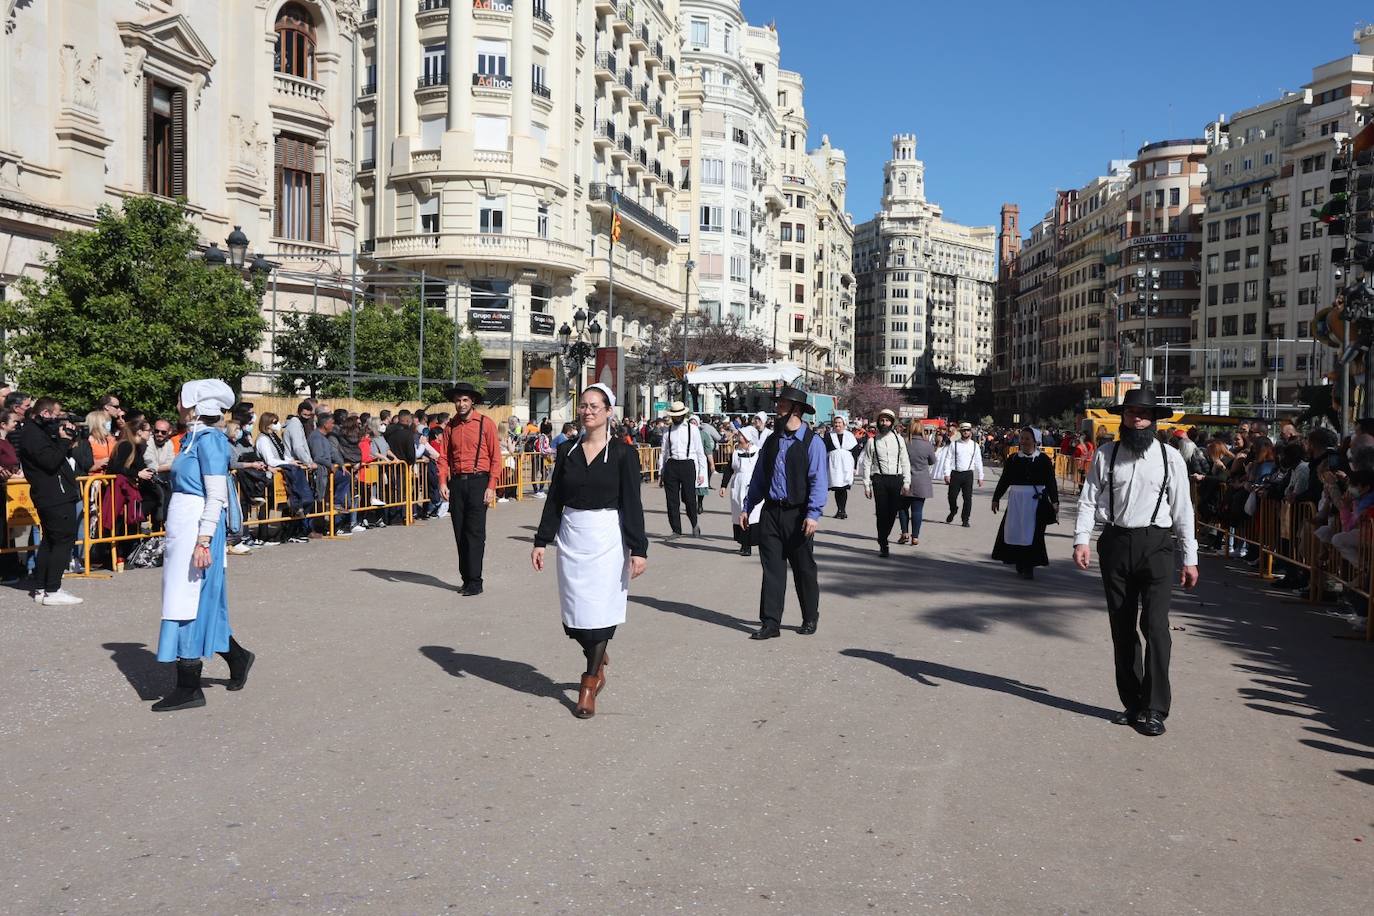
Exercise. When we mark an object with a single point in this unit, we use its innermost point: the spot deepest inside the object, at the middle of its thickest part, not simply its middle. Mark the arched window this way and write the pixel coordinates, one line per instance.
(295, 42)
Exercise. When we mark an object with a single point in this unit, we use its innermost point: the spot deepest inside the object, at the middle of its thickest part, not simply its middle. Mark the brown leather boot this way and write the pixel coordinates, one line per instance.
(601, 677)
(586, 697)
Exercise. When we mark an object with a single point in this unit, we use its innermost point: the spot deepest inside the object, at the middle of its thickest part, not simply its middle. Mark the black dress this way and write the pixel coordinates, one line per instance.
(1037, 472)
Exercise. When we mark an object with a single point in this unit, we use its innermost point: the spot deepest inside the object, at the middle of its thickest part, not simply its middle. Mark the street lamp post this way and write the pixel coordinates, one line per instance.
(577, 348)
(686, 304)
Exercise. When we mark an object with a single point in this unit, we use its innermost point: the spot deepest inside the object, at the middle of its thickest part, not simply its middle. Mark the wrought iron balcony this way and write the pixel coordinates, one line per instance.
(433, 79)
(368, 89)
(598, 191)
(541, 12)
(428, 5)
(605, 60)
(541, 90)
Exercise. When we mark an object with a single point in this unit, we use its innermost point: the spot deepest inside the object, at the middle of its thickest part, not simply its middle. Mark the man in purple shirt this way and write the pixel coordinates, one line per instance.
(792, 482)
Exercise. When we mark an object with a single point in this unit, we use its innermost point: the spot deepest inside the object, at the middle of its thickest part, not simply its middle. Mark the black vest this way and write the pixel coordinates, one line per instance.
(797, 468)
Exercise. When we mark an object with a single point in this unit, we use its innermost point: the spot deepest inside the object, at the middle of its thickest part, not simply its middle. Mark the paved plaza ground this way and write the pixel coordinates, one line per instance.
(941, 744)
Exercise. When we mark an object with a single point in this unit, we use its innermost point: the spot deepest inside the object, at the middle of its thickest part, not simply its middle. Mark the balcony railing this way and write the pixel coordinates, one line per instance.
(370, 13)
(627, 80)
(433, 79)
(541, 90)
(298, 88)
(626, 143)
(605, 60)
(541, 12)
(367, 165)
(598, 191)
(428, 5)
(368, 89)
(606, 129)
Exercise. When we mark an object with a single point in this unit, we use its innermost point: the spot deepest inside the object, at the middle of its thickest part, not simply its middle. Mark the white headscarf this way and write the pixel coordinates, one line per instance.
(209, 396)
(610, 415)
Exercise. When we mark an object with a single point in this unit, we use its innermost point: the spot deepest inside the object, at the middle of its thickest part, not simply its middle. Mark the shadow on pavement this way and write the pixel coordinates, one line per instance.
(922, 672)
(695, 613)
(406, 575)
(509, 674)
(140, 667)
(1296, 668)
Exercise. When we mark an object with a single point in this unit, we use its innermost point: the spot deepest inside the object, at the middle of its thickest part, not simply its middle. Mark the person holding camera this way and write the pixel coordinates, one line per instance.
(44, 446)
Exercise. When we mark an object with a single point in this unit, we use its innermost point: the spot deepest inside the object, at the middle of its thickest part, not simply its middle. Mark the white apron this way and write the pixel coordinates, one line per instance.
(181, 593)
(840, 462)
(593, 569)
(1019, 530)
(743, 469)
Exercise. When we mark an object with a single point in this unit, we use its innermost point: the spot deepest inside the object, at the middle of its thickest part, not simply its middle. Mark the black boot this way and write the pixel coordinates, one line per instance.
(240, 660)
(187, 694)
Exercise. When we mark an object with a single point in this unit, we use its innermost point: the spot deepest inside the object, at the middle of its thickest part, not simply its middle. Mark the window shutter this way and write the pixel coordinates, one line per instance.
(149, 167)
(179, 143)
(317, 207)
(278, 160)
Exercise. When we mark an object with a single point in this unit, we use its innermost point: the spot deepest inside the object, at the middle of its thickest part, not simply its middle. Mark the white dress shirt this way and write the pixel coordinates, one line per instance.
(964, 455)
(682, 442)
(1137, 492)
(886, 454)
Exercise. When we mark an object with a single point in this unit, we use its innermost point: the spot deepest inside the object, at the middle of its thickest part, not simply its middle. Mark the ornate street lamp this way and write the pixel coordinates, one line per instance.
(238, 247)
(213, 256)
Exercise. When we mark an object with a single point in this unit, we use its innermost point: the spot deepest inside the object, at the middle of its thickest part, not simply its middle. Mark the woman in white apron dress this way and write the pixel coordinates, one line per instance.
(840, 450)
(594, 516)
(1027, 481)
(735, 481)
(203, 509)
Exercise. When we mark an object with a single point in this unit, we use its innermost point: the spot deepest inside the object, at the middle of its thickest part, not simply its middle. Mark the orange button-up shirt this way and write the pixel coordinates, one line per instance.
(470, 446)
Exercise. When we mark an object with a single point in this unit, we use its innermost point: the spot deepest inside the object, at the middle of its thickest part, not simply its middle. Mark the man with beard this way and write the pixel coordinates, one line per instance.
(1138, 490)
(963, 463)
(886, 474)
(681, 469)
(791, 481)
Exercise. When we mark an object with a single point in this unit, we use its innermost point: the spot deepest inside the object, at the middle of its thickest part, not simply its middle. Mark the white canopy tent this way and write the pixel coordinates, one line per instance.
(744, 373)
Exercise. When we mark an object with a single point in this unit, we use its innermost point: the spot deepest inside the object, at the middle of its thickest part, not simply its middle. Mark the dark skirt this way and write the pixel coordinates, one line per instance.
(1032, 554)
(600, 634)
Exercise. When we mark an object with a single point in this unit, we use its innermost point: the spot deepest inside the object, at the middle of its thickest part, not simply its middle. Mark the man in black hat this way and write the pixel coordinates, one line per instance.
(792, 481)
(1138, 490)
(469, 473)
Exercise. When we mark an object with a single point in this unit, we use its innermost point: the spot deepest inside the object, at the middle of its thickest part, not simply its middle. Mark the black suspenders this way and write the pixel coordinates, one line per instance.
(1111, 484)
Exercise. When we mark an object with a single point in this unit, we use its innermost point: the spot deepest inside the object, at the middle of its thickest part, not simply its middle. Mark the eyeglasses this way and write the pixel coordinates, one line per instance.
(590, 408)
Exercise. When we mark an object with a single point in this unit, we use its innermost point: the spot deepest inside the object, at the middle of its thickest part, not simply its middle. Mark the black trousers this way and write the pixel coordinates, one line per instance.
(1138, 574)
(467, 507)
(961, 482)
(887, 496)
(781, 544)
(60, 525)
(680, 486)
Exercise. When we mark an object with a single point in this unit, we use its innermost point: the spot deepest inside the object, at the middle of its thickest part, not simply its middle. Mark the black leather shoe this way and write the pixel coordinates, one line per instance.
(471, 590)
(965, 524)
(1125, 717)
(1151, 725)
(949, 518)
(882, 551)
(746, 551)
(807, 629)
(766, 633)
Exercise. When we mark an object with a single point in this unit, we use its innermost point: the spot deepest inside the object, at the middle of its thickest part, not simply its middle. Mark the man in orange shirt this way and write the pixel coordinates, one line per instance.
(469, 472)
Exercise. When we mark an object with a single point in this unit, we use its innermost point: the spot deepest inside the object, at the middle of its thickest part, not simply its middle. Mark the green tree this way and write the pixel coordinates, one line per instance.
(1194, 397)
(386, 348)
(130, 307)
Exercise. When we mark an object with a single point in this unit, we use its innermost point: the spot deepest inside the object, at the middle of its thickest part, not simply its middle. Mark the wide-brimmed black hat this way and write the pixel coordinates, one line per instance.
(464, 388)
(1141, 397)
(796, 396)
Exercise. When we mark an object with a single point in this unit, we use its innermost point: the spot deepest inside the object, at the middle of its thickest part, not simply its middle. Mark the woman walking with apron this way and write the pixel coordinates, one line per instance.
(735, 480)
(1032, 502)
(594, 516)
(195, 601)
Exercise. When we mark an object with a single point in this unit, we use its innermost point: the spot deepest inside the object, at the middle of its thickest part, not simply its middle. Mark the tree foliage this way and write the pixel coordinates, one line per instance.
(314, 348)
(707, 342)
(865, 395)
(130, 307)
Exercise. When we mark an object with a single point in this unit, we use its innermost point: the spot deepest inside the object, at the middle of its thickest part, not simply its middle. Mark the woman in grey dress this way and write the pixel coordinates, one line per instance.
(912, 508)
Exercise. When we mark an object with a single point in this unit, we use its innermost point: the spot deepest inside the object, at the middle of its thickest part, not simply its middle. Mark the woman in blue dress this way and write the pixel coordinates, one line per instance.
(195, 604)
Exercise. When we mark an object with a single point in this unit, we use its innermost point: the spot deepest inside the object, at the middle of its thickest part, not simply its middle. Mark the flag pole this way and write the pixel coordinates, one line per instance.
(610, 265)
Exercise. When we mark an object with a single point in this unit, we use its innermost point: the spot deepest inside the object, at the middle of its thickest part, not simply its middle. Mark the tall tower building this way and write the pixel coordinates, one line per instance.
(925, 289)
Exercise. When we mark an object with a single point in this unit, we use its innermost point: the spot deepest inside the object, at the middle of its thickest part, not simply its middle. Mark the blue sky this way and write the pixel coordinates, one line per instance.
(1010, 101)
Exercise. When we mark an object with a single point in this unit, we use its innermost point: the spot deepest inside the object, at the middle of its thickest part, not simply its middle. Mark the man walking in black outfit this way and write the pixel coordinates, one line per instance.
(963, 463)
(681, 469)
(469, 473)
(793, 483)
(1138, 490)
(45, 443)
(886, 474)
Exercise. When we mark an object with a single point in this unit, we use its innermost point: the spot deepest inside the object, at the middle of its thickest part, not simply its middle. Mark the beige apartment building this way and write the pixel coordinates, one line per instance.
(925, 289)
(1158, 267)
(497, 138)
(1035, 274)
(1086, 330)
(244, 110)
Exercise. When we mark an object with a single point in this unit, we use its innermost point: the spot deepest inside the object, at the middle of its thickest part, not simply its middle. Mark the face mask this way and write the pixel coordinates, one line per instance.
(276, 427)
